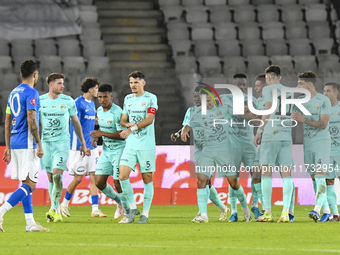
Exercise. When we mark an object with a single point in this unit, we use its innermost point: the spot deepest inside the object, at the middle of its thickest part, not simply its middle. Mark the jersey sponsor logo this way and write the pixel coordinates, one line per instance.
(36, 175)
(53, 106)
(32, 101)
(86, 110)
(333, 131)
(14, 121)
(89, 117)
(63, 106)
(144, 104)
(316, 106)
(81, 169)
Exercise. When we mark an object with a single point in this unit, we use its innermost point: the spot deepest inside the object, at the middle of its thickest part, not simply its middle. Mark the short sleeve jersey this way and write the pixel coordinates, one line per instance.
(198, 133)
(259, 104)
(54, 116)
(334, 130)
(109, 122)
(317, 105)
(136, 108)
(86, 114)
(20, 100)
(275, 129)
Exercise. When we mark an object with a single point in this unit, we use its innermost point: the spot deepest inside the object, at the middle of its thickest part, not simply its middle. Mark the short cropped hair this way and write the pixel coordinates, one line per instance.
(334, 85)
(261, 78)
(240, 75)
(273, 69)
(28, 67)
(137, 74)
(308, 76)
(105, 88)
(87, 83)
(54, 76)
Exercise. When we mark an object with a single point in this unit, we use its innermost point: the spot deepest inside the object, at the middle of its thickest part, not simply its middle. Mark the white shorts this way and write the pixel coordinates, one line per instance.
(25, 162)
(83, 165)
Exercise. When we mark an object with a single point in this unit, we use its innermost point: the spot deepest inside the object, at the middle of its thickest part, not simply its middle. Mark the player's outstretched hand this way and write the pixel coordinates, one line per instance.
(257, 139)
(40, 152)
(298, 117)
(94, 142)
(125, 133)
(184, 135)
(7, 156)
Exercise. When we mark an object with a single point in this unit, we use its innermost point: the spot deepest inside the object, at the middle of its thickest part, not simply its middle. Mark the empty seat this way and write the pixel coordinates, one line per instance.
(284, 2)
(202, 31)
(252, 47)
(272, 30)
(172, 12)
(180, 47)
(73, 68)
(323, 45)
(178, 34)
(93, 48)
(92, 33)
(19, 59)
(285, 62)
(229, 48)
(300, 47)
(305, 63)
(337, 30)
(4, 47)
(249, 30)
(238, 2)
(89, 7)
(225, 31)
(296, 29)
(318, 29)
(88, 16)
(257, 64)
(291, 12)
(315, 12)
(22, 47)
(99, 67)
(192, 2)
(215, 2)
(244, 13)
(258, 2)
(276, 47)
(5, 64)
(10, 80)
(328, 65)
(267, 12)
(68, 47)
(333, 14)
(205, 48)
(309, 1)
(220, 13)
(234, 65)
(177, 24)
(196, 14)
(169, 2)
(84, 2)
(50, 64)
(209, 66)
(45, 47)
(185, 64)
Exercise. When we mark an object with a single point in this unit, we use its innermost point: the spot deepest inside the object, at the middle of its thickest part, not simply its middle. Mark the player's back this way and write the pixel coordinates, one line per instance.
(21, 99)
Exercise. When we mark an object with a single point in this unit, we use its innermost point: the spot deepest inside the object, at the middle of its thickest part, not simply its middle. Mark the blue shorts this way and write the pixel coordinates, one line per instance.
(55, 155)
(108, 164)
(277, 153)
(145, 158)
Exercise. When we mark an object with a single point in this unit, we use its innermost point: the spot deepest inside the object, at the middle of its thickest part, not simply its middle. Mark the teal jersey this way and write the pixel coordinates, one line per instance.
(187, 115)
(317, 105)
(137, 108)
(241, 135)
(274, 129)
(334, 128)
(55, 116)
(213, 137)
(198, 133)
(109, 122)
(260, 104)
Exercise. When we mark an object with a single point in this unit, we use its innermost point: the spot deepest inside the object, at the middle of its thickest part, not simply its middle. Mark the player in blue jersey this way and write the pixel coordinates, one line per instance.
(109, 116)
(80, 166)
(316, 142)
(331, 90)
(56, 111)
(23, 145)
(138, 116)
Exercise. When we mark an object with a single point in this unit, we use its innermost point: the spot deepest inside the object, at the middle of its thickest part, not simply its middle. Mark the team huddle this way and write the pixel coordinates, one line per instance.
(221, 147)
(67, 132)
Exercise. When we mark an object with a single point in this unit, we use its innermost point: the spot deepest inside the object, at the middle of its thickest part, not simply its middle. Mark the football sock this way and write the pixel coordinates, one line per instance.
(241, 197)
(233, 199)
(28, 209)
(266, 187)
(287, 191)
(213, 196)
(124, 203)
(202, 199)
(292, 201)
(67, 198)
(148, 196)
(259, 192)
(321, 189)
(331, 197)
(109, 192)
(254, 192)
(50, 190)
(95, 202)
(314, 186)
(128, 193)
(57, 190)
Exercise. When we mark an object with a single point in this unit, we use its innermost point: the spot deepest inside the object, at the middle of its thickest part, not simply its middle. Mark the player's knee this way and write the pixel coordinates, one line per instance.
(330, 182)
(78, 179)
(256, 180)
(100, 184)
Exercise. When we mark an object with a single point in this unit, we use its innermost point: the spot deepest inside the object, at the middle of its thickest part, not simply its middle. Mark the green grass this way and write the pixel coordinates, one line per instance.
(169, 231)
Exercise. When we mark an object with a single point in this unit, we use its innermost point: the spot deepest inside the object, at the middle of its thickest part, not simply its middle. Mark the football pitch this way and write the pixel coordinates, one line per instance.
(169, 231)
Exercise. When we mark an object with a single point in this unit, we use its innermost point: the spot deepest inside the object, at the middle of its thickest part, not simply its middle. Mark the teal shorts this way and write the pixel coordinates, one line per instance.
(333, 167)
(145, 158)
(318, 158)
(55, 155)
(245, 155)
(108, 164)
(257, 157)
(277, 153)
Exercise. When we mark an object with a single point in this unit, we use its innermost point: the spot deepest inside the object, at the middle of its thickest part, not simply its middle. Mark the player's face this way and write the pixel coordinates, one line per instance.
(210, 101)
(36, 77)
(57, 86)
(197, 99)
(241, 83)
(105, 99)
(303, 84)
(137, 85)
(94, 91)
(258, 87)
(329, 92)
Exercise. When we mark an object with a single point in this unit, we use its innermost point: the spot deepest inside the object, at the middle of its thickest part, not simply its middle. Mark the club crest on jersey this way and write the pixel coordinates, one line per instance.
(32, 101)
(14, 121)
(144, 104)
(109, 121)
(63, 106)
(316, 106)
(218, 113)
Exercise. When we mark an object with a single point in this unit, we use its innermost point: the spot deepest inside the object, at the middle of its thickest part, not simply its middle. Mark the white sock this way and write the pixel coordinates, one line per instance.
(255, 206)
(29, 219)
(233, 212)
(65, 202)
(268, 210)
(204, 215)
(246, 210)
(317, 208)
(285, 210)
(57, 210)
(133, 206)
(4, 208)
(327, 210)
(291, 211)
(94, 208)
(146, 213)
(223, 208)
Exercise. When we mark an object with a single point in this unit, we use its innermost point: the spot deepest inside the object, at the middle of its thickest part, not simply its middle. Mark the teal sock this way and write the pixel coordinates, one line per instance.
(213, 196)
(267, 189)
(124, 203)
(233, 199)
(148, 195)
(241, 196)
(259, 192)
(57, 190)
(202, 199)
(292, 200)
(109, 192)
(254, 192)
(287, 191)
(314, 186)
(321, 190)
(331, 197)
(128, 192)
(50, 190)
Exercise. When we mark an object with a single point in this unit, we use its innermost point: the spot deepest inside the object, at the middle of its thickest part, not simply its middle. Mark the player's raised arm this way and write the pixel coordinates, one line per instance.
(79, 131)
(7, 154)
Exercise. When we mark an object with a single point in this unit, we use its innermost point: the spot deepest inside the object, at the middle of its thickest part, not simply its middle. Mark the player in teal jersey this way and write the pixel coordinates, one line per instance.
(214, 155)
(213, 195)
(138, 116)
(276, 146)
(109, 116)
(315, 137)
(241, 138)
(56, 110)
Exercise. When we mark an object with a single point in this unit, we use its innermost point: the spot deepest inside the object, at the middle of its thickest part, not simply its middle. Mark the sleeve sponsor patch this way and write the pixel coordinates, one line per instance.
(32, 101)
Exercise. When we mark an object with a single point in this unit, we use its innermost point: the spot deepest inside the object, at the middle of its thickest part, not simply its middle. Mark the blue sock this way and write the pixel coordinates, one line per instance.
(202, 200)
(267, 189)
(321, 190)
(233, 199)
(148, 195)
(68, 195)
(128, 193)
(213, 196)
(287, 191)
(109, 192)
(19, 194)
(57, 190)
(27, 204)
(254, 192)
(94, 198)
(241, 196)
